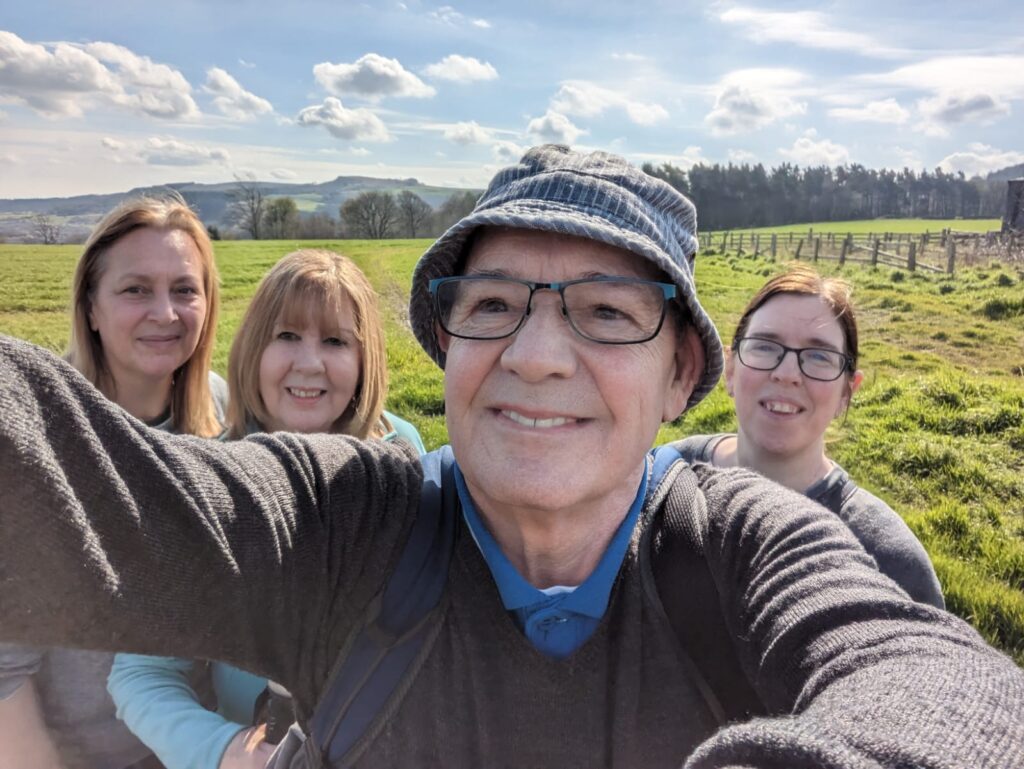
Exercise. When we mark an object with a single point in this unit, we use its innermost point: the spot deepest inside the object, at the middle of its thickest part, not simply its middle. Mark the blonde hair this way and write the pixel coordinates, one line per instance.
(192, 408)
(305, 282)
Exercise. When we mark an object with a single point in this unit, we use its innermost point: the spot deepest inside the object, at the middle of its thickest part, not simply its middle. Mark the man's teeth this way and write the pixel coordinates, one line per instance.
(781, 408)
(527, 422)
(300, 393)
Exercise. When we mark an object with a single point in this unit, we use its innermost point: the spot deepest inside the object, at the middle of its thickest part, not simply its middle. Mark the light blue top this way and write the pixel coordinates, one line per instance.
(556, 620)
(155, 699)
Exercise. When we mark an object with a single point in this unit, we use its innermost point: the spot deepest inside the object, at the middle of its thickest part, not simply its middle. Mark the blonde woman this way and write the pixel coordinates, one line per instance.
(143, 317)
(309, 356)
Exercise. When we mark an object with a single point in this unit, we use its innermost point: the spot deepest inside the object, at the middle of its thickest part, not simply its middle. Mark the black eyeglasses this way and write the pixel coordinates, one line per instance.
(815, 362)
(608, 310)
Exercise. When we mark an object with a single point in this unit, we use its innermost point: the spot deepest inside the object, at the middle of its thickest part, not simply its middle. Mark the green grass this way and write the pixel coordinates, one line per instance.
(937, 430)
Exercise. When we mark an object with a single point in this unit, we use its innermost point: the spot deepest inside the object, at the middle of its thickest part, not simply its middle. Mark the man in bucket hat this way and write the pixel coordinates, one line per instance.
(564, 313)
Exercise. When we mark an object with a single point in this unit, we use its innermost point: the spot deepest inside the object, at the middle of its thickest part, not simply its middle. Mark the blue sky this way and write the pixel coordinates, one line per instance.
(102, 97)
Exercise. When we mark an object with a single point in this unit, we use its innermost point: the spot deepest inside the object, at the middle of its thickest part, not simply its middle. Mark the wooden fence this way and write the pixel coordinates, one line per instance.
(935, 252)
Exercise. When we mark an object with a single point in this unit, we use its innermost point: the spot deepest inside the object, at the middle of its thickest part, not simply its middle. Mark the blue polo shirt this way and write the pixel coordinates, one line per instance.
(556, 620)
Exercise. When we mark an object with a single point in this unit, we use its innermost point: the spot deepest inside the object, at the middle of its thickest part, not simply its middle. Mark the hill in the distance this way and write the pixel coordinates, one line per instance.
(78, 214)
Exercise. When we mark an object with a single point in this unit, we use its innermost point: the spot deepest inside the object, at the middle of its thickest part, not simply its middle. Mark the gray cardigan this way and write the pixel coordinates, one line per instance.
(263, 552)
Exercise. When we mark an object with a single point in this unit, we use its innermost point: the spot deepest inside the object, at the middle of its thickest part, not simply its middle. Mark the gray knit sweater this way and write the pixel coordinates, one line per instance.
(263, 552)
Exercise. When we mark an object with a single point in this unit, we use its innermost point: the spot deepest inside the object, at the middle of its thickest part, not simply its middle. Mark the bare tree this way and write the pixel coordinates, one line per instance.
(248, 206)
(46, 229)
(369, 215)
(414, 214)
(318, 226)
(454, 208)
(280, 219)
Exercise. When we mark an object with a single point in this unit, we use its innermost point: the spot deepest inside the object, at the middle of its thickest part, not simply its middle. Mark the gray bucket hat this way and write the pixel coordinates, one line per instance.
(597, 196)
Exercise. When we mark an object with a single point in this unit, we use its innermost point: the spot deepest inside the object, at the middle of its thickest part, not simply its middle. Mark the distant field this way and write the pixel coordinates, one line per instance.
(937, 430)
(864, 226)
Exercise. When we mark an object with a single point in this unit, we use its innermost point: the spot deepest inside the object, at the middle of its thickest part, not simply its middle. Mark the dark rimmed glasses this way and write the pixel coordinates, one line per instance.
(819, 363)
(608, 310)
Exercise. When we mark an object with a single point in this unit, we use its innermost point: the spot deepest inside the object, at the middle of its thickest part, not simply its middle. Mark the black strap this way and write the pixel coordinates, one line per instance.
(690, 597)
(377, 665)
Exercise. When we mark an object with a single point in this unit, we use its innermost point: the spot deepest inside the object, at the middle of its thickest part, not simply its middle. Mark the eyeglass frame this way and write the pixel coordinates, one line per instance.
(847, 368)
(669, 292)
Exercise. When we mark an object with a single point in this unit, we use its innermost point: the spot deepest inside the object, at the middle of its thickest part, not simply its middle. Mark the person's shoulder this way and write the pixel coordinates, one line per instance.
(698, 448)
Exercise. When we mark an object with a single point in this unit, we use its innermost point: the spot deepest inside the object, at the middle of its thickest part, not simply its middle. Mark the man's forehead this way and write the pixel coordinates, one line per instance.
(513, 251)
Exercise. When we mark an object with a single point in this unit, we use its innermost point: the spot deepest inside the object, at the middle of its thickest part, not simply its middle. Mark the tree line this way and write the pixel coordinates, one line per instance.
(737, 196)
(370, 215)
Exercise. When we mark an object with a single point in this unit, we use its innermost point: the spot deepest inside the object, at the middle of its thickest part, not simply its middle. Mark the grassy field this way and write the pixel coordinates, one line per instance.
(937, 430)
(904, 226)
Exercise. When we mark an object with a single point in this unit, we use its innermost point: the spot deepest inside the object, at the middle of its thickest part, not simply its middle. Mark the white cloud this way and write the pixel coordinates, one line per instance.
(808, 152)
(285, 174)
(171, 152)
(628, 56)
(372, 77)
(467, 133)
(506, 152)
(8, 159)
(952, 108)
(461, 69)
(1001, 76)
(810, 29)
(740, 109)
(343, 123)
(884, 111)
(112, 144)
(446, 14)
(246, 64)
(908, 158)
(980, 159)
(692, 156)
(360, 152)
(586, 99)
(742, 156)
(554, 127)
(231, 99)
(154, 89)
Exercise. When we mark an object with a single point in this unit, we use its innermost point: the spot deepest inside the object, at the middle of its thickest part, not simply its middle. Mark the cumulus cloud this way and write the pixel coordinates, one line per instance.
(154, 89)
(741, 156)
(506, 152)
(343, 123)
(231, 99)
(171, 152)
(808, 152)
(372, 77)
(461, 69)
(739, 109)
(692, 156)
(112, 144)
(884, 111)
(809, 29)
(554, 127)
(467, 133)
(586, 99)
(446, 14)
(951, 108)
(980, 159)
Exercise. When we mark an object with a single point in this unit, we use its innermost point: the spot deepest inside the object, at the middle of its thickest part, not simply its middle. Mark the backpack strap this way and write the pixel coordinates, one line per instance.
(378, 663)
(688, 592)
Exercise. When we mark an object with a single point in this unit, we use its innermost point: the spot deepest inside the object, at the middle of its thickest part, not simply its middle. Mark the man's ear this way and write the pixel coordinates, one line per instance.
(443, 338)
(688, 368)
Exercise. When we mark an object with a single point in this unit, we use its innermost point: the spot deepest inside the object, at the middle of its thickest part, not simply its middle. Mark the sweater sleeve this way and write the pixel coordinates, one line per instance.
(155, 699)
(261, 553)
(857, 673)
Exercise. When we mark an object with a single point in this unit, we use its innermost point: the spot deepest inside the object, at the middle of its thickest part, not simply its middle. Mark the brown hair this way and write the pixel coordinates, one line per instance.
(192, 407)
(303, 282)
(803, 281)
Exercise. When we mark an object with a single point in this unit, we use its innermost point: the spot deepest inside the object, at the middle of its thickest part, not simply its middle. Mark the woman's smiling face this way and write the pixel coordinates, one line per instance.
(783, 412)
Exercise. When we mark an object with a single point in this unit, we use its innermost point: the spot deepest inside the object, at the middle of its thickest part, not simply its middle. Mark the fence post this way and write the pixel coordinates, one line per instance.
(790, 237)
(950, 255)
(740, 249)
(817, 247)
(798, 247)
(775, 243)
(912, 256)
(757, 245)
(874, 253)
(842, 252)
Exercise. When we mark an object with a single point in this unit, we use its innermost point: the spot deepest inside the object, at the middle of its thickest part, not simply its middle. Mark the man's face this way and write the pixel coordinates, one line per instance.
(548, 420)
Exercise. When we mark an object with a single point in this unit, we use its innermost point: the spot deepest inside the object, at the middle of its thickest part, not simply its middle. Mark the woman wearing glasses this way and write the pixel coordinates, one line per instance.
(785, 402)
